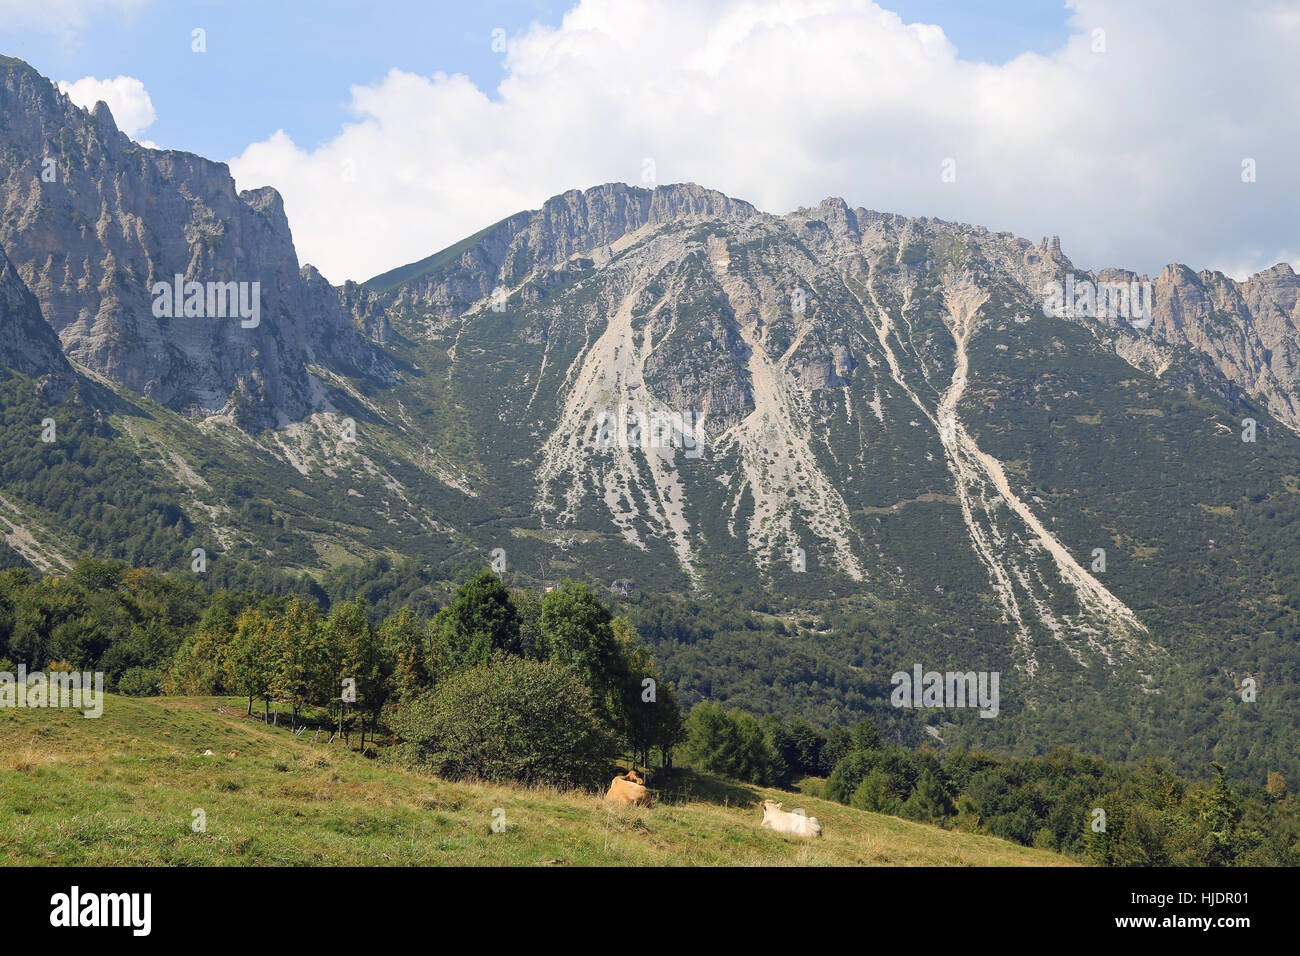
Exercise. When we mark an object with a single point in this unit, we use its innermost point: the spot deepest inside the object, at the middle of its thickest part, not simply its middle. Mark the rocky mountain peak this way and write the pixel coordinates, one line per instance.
(99, 227)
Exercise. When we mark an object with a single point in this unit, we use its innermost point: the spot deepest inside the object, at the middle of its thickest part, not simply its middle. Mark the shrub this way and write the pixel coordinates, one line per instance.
(140, 682)
(512, 718)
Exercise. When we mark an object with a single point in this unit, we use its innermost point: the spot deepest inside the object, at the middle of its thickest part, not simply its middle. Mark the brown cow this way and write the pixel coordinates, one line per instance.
(629, 789)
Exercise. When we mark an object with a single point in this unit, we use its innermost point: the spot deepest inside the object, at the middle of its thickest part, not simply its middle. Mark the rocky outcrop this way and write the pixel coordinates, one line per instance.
(567, 225)
(366, 311)
(27, 343)
(1207, 330)
(1246, 333)
(96, 225)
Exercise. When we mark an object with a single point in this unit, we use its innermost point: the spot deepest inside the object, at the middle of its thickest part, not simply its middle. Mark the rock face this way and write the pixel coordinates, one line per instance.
(92, 221)
(1247, 333)
(367, 313)
(1249, 330)
(567, 225)
(27, 343)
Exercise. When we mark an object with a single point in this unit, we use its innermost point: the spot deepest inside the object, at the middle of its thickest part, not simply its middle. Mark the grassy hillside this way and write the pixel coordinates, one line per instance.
(123, 788)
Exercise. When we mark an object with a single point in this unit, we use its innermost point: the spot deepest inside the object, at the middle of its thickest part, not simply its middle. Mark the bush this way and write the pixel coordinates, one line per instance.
(140, 682)
(512, 719)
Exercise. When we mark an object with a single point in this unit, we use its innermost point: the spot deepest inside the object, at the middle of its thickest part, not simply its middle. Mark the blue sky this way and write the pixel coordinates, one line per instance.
(293, 71)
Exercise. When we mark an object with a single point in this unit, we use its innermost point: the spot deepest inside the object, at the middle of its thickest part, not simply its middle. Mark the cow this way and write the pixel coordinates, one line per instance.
(629, 789)
(774, 818)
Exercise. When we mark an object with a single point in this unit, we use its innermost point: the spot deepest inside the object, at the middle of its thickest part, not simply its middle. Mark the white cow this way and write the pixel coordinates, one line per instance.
(774, 818)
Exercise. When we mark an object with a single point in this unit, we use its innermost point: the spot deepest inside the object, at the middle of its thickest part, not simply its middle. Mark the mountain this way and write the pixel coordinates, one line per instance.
(93, 221)
(858, 441)
(849, 369)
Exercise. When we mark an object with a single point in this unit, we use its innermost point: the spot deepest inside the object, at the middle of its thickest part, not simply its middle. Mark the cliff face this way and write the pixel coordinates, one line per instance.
(27, 343)
(1249, 330)
(93, 222)
(570, 224)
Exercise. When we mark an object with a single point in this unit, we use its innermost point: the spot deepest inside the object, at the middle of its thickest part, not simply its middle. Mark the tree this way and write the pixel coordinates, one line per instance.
(406, 642)
(865, 736)
(577, 632)
(839, 743)
(730, 744)
(651, 716)
(528, 605)
(199, 667)
(753, 757)
(1219, 818)
(929, 801)
(874, 793)
(1276, 786)
(710, 738)
(251, 664)
(807, 746)
(302, 663)
(785, 757)
(480, 619)
(360, 671)
(670, 726)
(1141, 841)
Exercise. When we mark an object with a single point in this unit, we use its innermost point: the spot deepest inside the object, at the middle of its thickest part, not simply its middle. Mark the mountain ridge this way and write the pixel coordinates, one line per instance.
(93, 222)
(1186, 299)
(828, 415)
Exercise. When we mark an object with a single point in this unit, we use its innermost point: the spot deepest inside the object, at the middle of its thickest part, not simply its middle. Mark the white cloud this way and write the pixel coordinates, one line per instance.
(125, 95)
(1132, 155)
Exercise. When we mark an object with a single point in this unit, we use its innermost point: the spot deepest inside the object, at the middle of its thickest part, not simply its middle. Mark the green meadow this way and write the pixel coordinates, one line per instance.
(124, 789)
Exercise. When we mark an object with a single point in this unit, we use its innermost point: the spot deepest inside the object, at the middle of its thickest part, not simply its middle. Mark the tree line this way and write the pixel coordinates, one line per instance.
(550, 688)
(562, 660)
(395, 675)
(1079, 805)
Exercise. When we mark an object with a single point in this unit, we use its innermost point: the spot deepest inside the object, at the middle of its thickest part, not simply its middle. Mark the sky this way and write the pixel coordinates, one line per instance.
(1141, 133)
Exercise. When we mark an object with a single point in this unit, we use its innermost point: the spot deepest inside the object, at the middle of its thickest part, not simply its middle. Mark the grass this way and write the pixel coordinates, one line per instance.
(390, 280)
(123, 788)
